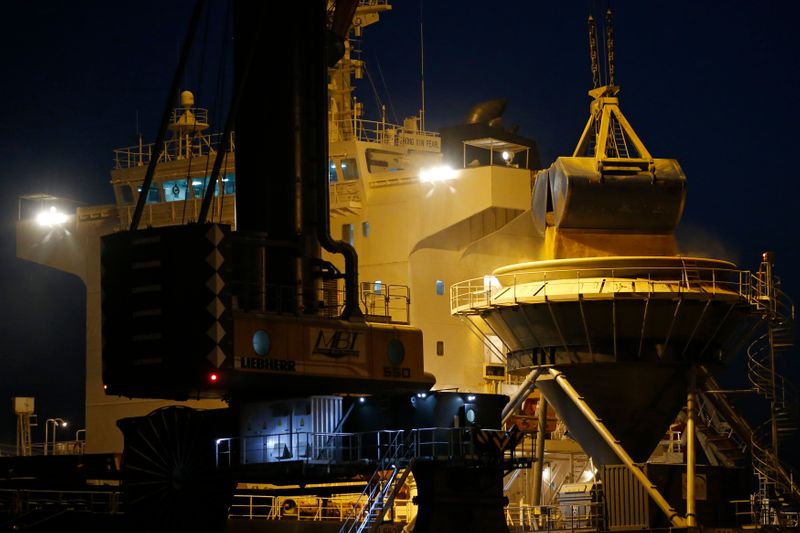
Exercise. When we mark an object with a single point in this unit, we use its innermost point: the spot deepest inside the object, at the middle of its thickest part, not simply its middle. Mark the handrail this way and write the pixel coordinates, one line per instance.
(485, 291)
(388, 134)
(773, 475)
(174, 149)
(430, 443)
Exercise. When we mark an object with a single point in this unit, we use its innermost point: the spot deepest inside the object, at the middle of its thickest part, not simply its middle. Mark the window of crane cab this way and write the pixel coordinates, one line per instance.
(125, 194)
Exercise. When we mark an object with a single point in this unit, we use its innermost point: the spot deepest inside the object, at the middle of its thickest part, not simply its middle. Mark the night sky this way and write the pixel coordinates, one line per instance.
(711, 84)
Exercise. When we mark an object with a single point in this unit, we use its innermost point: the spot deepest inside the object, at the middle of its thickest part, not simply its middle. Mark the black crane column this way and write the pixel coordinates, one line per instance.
(278, 151)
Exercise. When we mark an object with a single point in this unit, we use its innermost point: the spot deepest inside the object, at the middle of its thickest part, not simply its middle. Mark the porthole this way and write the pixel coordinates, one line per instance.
(261, 342)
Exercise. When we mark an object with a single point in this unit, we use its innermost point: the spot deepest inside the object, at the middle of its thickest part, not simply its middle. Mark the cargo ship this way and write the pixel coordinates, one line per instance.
(573, 370)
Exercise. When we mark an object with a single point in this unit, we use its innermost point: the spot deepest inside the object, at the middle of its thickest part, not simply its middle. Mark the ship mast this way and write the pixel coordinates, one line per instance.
(343, 108)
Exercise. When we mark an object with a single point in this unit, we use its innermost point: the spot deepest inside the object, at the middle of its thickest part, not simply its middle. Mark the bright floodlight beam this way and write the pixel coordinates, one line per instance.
(51, 217)
(440, 173)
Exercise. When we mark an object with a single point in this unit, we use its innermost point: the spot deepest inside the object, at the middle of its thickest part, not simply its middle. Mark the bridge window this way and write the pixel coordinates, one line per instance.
(349, 169)
(152, 194)
(126, 194)
(174, 190)
(439, 287)
(199, 187)
(229, 183)
(332, 177)
(365, 229)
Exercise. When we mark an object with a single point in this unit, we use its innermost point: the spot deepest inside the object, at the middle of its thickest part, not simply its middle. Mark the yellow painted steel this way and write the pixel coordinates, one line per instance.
(691, 518)
(675, 519)
(326, 348)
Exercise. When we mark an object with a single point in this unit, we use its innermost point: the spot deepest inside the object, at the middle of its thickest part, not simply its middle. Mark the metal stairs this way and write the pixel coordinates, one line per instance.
(777, 490)
(721, 444)
(389, 477)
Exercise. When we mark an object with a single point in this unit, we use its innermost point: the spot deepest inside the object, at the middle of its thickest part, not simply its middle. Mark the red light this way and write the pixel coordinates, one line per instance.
(213, 377)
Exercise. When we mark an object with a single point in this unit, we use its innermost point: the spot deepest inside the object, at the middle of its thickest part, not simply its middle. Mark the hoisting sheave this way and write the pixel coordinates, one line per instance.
(611, 182)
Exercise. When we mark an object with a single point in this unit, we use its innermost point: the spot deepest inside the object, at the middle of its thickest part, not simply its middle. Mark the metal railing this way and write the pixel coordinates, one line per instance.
(384, 300)
(564, 517)
(174, 149)
(327, 448)
(24, 501)
(519, 518)
(62, 447)
(388, 134)
(199, 114)
(484, 292)
(301, 508)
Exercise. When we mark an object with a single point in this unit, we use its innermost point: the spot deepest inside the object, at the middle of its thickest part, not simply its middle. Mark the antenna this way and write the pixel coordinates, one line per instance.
(421, 68)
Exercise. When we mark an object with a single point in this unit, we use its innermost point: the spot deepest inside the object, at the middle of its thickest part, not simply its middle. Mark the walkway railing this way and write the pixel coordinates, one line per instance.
(486, 291)
(368, 447)
(388, 134)
(174, 149)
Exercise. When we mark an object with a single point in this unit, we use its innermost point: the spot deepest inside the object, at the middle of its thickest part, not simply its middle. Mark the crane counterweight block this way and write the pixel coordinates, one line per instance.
(187, 313)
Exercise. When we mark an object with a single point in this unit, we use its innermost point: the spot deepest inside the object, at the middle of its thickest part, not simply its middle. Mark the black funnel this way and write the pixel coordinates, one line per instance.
(636, 402)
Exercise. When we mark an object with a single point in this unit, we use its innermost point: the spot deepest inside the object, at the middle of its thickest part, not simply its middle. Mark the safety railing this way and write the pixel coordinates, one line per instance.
(385, 302)
(486, 291)
(302, 508)
(388, 134)
(28, 500)
(198, 114)
(519, 518)
(433, 443)
(174, 149)
(565, 517)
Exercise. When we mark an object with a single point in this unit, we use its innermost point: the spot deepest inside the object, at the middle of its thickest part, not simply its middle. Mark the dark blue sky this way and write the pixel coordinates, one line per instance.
(711, 84)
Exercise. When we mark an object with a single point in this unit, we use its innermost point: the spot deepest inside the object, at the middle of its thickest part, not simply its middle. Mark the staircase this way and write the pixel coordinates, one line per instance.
(721, 444)
(777, 491)
(392, 471)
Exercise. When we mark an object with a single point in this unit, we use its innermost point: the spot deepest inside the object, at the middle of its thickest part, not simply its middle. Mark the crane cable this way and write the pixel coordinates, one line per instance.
(609, 46)
(593, 53)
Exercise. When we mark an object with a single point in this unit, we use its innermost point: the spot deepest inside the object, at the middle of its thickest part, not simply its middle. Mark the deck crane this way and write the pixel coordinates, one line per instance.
(255, 317)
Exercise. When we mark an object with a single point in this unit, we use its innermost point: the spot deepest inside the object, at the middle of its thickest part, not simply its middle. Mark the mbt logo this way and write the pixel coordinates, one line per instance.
(337, 343)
